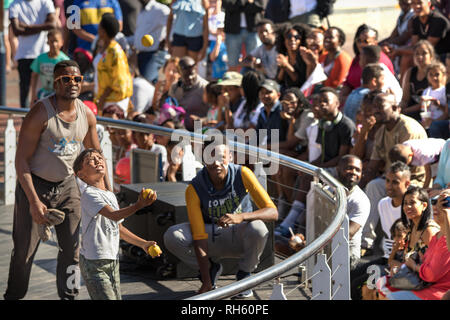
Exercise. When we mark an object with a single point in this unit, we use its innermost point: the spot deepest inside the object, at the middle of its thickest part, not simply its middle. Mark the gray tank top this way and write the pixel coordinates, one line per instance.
(59, 144)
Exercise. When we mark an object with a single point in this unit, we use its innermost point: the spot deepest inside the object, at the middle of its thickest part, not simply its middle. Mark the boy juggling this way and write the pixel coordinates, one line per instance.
(102, 227)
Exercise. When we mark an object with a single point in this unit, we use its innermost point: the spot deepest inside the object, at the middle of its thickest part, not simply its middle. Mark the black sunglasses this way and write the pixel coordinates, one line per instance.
(67, 79)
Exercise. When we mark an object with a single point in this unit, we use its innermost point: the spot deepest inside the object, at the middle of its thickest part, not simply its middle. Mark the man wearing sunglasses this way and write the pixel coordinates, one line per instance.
(51, 137)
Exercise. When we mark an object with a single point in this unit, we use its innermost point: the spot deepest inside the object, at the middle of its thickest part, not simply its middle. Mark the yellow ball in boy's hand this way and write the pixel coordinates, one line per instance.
(147, 40)
(154, 250)
(147, 193)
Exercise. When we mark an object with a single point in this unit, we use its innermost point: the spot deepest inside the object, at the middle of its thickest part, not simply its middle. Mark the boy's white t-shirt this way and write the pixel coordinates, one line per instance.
(439, 94)
(31, 13)
(99, 235)
(388, 214)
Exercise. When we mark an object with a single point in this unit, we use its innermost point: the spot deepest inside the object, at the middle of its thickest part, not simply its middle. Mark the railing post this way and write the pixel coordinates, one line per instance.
(341, 263)
(10, 155)
(106, 146)
(321, 279)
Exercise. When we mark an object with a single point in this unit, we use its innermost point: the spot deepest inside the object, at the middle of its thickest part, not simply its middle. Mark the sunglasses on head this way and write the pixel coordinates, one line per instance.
(67, 79)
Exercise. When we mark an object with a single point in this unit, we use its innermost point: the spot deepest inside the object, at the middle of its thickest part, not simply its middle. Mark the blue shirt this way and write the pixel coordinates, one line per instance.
(91, 13)
(219, 66)
(188, 18)
(353, 102)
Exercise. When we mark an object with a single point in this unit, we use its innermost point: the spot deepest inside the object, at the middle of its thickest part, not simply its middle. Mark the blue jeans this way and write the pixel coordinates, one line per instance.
(439, 129)
(403, 295)
(150, 62)
(234, 44)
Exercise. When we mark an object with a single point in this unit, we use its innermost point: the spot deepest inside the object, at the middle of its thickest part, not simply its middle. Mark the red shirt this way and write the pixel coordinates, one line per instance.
(436, 269)
(353, 80)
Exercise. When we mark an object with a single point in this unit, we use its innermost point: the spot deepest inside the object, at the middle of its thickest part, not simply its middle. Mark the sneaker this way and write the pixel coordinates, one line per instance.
(282, 231)
(214, 272)
(247, 293)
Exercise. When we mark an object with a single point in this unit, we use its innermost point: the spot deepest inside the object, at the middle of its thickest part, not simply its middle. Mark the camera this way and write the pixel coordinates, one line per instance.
(446, 204)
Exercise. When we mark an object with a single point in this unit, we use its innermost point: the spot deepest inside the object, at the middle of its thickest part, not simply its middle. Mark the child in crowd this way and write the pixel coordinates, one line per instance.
(418, 152)
(102, 219)
(215, 116)
(398, 235)
(217, 55)
(398, 179)
(42, 67)
(435, 96)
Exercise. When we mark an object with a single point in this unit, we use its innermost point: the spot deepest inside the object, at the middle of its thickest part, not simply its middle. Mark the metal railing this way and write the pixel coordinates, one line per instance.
(337, 229)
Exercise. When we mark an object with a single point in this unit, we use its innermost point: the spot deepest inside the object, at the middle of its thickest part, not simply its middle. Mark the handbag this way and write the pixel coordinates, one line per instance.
(407, 279)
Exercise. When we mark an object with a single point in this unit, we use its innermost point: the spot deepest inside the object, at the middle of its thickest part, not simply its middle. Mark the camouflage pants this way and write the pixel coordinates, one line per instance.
(102, 278)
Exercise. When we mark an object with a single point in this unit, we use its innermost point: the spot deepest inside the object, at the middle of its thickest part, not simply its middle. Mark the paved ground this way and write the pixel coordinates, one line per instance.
(138, 283)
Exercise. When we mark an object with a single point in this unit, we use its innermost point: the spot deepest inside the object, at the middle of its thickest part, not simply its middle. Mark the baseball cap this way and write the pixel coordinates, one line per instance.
(231, 78)
(270, 85)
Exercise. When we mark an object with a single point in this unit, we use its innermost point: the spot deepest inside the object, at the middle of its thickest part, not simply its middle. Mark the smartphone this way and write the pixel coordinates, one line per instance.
(446, 204)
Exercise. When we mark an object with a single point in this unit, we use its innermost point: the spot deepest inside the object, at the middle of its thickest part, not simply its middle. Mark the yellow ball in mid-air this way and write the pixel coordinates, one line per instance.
(147, 40)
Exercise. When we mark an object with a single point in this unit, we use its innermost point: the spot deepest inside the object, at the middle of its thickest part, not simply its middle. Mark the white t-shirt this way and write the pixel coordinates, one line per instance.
(31, 12)
(215, 21)
(425, 151)
(358, 209)
(299, 7)
(439, 94)
(391, 82)
(99, 235)
(143, 92)
(314, 148)
(239, 115)
(388, 214)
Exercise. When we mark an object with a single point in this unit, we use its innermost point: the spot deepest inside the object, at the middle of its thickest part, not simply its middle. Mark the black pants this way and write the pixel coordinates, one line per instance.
(24, 81)
(64, 196)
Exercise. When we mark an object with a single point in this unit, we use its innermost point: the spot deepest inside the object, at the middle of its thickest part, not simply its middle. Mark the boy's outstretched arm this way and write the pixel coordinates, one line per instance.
(117, 215)
(133, 239)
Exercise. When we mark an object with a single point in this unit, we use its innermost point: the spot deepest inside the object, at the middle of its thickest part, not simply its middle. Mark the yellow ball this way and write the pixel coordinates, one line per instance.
(147, 193)
(154, 250)
(147, 40)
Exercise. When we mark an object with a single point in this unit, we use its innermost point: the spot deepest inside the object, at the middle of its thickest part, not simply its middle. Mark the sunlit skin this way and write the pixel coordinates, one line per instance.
(413, 207)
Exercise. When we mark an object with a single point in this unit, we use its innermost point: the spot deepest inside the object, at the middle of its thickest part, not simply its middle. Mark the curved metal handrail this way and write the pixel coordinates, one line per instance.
(280, 268)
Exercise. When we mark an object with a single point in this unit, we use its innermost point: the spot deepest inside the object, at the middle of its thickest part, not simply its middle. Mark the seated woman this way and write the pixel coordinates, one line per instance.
(292, 69)
(434, 267)
(169, 75)
(336, 62)
(415, 79)
(246, 114)
(365, 35)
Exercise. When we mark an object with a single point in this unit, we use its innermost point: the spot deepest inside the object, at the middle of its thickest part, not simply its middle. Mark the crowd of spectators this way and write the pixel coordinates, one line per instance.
(275, 65)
